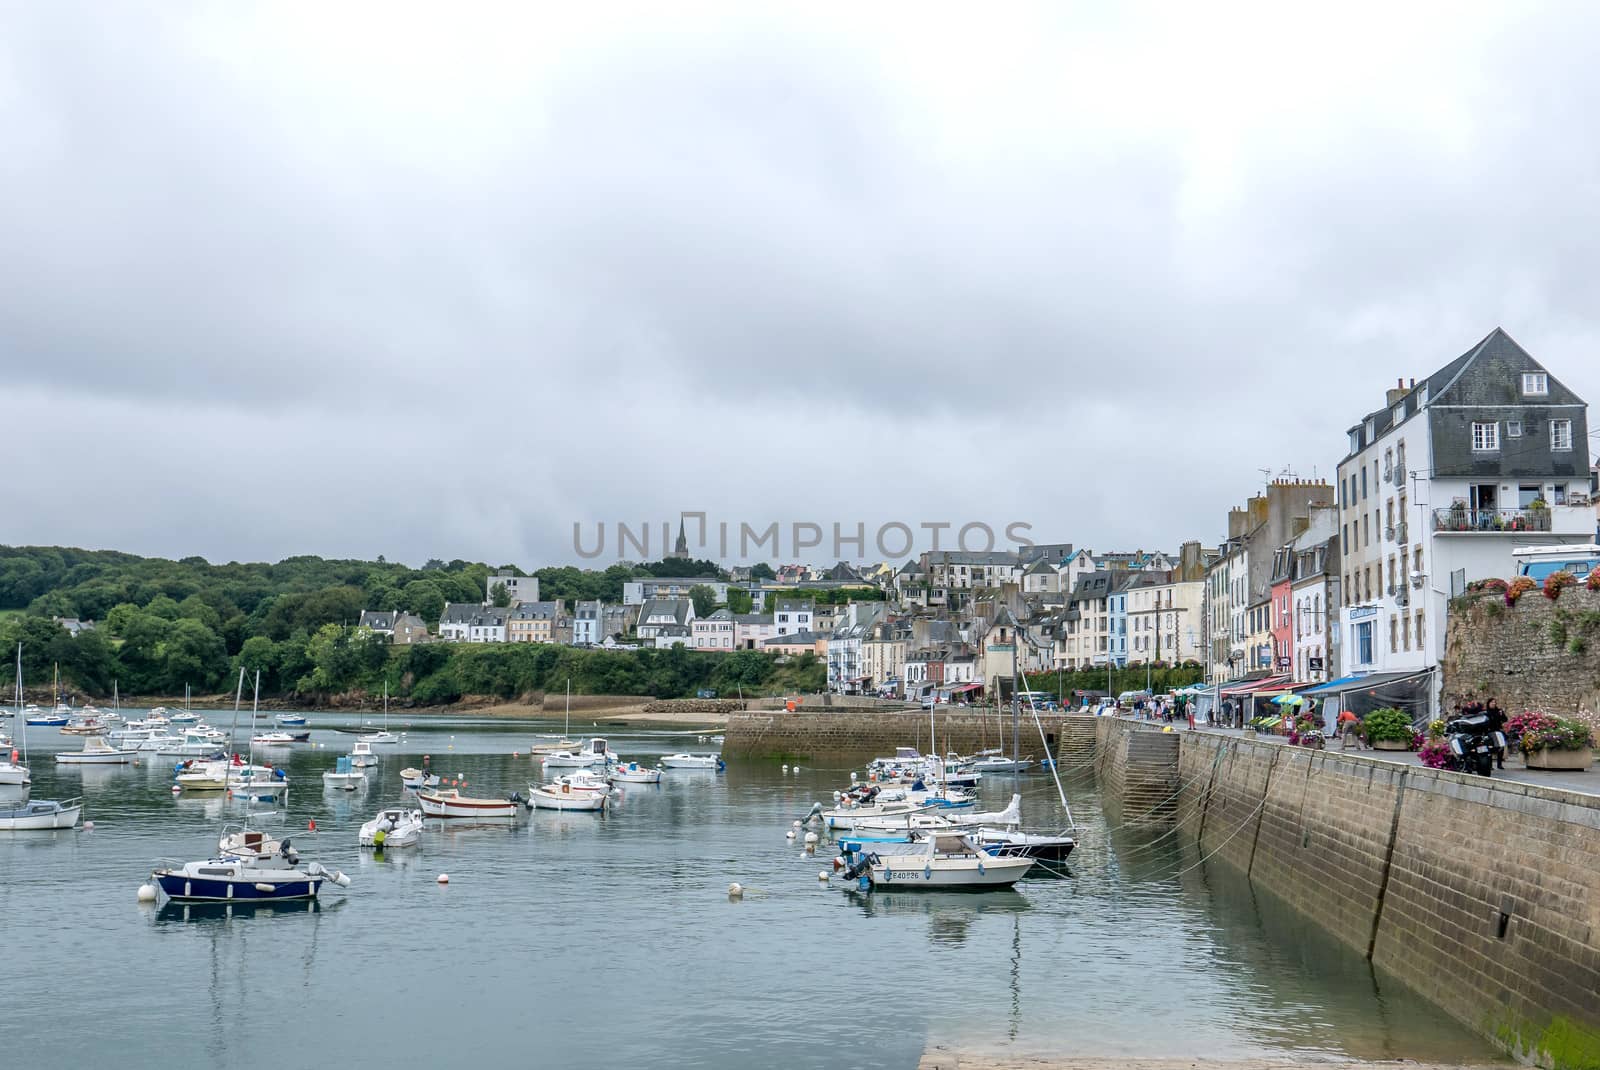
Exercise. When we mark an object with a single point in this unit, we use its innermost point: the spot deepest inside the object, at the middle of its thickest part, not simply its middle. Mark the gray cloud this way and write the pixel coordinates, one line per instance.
(390, 280)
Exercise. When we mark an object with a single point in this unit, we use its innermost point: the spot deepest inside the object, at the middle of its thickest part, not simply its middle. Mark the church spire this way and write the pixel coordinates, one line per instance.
(681, 550)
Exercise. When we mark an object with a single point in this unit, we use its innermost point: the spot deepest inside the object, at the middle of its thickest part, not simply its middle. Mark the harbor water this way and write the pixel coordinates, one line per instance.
(567, 937)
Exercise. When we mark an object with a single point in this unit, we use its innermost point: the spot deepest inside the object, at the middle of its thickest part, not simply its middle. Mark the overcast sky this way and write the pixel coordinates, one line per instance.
(446, 280)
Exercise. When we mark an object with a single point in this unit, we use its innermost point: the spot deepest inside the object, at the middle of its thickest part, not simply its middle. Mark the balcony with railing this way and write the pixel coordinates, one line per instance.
(1460, 518)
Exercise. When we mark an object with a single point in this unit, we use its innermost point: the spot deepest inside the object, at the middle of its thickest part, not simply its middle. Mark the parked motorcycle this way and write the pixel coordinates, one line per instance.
(1474, 743)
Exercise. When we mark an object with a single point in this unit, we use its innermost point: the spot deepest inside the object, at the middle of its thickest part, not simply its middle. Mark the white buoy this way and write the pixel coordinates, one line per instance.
(789, 835)
(786, 769)
(735, 890)
(822, 875)
(87, 825)
(852, 776)
(444, 878)
(797, 824)
(811, 839)
(176, 789)
(147, 893)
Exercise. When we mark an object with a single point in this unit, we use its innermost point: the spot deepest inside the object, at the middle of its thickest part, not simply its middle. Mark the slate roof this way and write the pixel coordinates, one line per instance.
(801, 638)
(379, 620)
(536, 611)
(676, 608)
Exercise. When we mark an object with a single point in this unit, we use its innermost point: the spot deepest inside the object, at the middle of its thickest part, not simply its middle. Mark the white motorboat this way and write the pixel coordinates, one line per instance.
(193, 744)
(257, 782)
(345, 775)
(40, 814)
(634, 773)
(691, 761)
(1000, 764)
(396, 826)
(563, 797)
(290, 720)
(96, 751)
(279, 739)
(582, 780)
(195, 775)
(594, 752)
(554, 746)
(935, 861)
(418, 778)
(380, 737)
(185, 717)
(361, 753)
(451, 803)
(845, 818)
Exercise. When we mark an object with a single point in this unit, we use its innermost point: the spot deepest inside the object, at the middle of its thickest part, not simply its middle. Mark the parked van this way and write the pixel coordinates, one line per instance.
(1539, 562)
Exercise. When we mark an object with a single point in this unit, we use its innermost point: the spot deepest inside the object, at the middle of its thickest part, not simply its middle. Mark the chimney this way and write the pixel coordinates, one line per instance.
(1392, 398)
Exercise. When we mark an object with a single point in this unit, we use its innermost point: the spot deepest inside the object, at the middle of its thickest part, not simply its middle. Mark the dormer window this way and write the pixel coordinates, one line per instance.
(1535, 384)
(1399, 413)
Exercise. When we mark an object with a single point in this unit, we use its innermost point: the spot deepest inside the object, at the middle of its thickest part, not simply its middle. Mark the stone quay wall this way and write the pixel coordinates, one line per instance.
(814, 733)
(1477, 893)
(1538, 654)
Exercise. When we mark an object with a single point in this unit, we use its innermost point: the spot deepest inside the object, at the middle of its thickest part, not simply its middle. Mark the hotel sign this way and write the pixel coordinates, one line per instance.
(1363, 612)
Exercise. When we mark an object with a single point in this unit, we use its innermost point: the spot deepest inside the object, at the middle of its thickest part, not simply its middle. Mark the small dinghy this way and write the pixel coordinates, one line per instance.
(40, 814)
(416, 779)
(634, 773)
(451, 803)
(393, 827)
(692, 761)
(96, 751)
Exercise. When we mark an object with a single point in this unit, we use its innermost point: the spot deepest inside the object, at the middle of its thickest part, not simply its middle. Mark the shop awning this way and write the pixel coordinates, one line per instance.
(1331, 685)
(965, 688)
(1270, 683)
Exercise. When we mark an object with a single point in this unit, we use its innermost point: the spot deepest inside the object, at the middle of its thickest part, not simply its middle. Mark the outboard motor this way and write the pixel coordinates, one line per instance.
(1473, 743)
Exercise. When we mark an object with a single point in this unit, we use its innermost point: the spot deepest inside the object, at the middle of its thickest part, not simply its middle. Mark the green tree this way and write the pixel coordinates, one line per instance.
(424, 598)
(258, 654)
(192, 653)
(739, 600)
(762, 571)
(499, 595)
(704, 599)
(164, 607)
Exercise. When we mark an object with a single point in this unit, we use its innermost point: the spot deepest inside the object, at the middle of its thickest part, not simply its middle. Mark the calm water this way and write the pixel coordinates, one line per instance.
(569, 936)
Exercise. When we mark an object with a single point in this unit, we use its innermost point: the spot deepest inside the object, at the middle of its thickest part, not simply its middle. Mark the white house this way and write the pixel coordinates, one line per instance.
(659, 613)
(468, 622)
(1487, 454)
(792, 615)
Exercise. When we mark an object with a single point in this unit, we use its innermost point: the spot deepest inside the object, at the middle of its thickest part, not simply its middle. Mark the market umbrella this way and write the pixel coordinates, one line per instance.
(1289, 700)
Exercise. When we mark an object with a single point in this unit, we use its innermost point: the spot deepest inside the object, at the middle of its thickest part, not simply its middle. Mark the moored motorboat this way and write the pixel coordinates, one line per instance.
(451, 803)
(45, 720)
(554, 746)
(290, 720)
(562, 797)
(280, 739)
(382, 736)
(96, 751)
(361, 753)
(345, 775)
(595, 752)
(395, 826)
(584, 780)
(40, 814)
(692, 761)
(84, 726)
(943, 861)
(634, 773)
(1000, 764)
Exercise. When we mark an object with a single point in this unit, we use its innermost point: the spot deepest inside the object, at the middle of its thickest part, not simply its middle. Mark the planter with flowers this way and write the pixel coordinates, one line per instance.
(1388, 729)
(1593, 582)
(1551, 742)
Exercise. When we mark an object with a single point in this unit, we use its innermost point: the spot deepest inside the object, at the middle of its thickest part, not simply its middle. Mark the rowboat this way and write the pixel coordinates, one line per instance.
(451, 803)
(41, 814)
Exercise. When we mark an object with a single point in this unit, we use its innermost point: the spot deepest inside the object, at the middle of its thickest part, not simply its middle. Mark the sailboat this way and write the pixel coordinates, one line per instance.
(384, 736)
(15, 780)
(58, 716)
(254, 781)
(563, 745)
(187, 716)
(23, 814)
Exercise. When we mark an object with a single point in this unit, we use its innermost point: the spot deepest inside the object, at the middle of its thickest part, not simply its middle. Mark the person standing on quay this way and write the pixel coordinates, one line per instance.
(1497, 723)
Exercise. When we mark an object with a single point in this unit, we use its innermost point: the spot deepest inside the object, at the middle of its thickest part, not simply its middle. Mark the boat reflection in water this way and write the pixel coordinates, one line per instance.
(180, 912)
(951, 915)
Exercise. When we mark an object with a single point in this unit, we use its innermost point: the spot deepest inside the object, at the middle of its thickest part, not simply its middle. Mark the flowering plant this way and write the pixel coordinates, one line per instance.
(1517, 588)
(1387, 723)
(1593, 582)
(1556, 582)
(1543, 731)
(1498, 586)
(1435, 729)
(1436, 754)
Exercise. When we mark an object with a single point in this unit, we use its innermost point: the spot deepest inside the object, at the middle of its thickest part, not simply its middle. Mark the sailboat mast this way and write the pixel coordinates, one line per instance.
(21, 718)
(567, 734)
